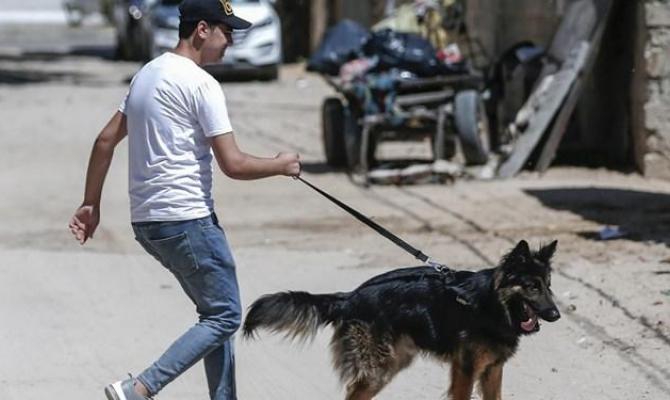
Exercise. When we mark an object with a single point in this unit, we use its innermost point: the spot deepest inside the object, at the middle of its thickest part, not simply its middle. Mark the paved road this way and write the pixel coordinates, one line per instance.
(32, 11)
(12, 5)
(76, 318)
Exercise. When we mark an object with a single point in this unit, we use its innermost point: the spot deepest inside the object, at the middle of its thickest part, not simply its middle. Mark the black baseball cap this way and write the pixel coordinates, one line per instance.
(211, 11)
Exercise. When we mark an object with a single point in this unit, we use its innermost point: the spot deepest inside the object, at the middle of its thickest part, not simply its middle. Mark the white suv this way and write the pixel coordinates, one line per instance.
(257, 49)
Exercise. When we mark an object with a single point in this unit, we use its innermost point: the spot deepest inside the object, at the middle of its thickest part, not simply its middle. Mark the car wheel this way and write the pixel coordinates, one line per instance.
(332, 123)
(121, 51)
(146, 42)
(270, 73)
(472, 126)
(353, 141)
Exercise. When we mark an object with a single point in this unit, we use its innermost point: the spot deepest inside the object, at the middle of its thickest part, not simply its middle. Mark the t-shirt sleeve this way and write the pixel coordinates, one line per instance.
(124, 102)
(122, 106)
(211, 110)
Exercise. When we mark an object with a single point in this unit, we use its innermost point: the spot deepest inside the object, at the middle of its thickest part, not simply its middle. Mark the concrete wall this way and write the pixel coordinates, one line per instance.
(653, 119)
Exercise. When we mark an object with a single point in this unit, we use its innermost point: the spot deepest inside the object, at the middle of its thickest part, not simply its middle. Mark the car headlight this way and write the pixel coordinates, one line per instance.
(135, 12)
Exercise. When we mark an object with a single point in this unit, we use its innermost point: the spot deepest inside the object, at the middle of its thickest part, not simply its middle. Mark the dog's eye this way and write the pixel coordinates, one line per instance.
(533, 286)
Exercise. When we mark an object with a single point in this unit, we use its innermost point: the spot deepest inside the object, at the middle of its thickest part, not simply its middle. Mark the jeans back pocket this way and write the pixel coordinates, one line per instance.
(176, 253)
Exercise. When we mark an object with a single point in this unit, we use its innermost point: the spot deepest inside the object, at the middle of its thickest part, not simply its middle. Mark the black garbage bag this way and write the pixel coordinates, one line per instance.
(341, 43)
(406, 51)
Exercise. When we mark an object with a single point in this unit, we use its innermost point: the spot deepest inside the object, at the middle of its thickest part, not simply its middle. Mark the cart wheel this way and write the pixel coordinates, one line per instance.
(353, 135)
(332, 119)
(472, 126)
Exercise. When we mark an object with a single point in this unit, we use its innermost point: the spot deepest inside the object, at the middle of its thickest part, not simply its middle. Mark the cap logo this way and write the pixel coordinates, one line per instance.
(227, 7)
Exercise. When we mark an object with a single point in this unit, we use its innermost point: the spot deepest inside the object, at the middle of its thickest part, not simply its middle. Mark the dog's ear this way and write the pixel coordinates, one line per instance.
(513, 262)
(519, 255)
(521, 251)
(546, 252)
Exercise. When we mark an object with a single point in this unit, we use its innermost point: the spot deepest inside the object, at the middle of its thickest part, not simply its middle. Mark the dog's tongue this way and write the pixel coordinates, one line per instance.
(529, 324)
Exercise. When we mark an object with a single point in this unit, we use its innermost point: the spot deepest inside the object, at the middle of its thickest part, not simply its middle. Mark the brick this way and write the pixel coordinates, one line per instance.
(656, 166)
(658, 62)
(659, 37)
(658, 14)
(657, 117)
(652, 144)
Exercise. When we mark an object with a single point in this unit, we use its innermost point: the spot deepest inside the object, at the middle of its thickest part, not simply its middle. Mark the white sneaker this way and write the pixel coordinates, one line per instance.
(123, 390)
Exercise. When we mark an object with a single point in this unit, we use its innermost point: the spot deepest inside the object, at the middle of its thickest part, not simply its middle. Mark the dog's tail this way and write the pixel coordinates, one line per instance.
(297, 314)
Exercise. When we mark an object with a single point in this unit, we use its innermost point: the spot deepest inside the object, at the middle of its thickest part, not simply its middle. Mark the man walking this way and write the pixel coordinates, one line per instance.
(175, 117)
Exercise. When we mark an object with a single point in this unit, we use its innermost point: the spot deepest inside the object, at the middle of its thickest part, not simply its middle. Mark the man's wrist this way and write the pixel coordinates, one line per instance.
(91, 203)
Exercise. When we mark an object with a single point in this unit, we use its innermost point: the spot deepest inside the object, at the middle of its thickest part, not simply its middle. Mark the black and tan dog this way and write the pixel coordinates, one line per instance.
(471, 319)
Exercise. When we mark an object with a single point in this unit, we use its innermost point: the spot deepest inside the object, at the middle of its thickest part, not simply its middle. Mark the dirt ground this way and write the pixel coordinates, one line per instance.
(76, 318)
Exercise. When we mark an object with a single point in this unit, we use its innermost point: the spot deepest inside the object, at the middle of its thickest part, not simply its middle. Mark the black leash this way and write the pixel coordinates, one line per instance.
(418, 254)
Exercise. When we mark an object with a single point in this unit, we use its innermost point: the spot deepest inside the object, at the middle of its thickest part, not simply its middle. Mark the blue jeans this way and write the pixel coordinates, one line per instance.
(197, 254)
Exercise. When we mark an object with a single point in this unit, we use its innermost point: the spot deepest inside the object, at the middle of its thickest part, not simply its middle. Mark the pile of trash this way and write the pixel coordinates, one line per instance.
(351, 51)
(417, 40)
(371, 63)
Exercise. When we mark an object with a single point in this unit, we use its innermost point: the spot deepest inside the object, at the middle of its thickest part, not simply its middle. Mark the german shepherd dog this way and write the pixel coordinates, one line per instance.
(471, 319)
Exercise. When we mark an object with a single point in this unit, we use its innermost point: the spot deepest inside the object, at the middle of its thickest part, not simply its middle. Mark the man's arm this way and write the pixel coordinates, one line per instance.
(239, 165)
(86, 218)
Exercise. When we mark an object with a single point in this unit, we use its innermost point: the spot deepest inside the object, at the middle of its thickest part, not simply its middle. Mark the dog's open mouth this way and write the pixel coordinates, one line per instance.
(530, 324)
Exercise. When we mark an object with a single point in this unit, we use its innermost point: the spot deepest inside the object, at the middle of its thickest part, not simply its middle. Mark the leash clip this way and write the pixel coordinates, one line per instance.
(441, 268)
(436, 266)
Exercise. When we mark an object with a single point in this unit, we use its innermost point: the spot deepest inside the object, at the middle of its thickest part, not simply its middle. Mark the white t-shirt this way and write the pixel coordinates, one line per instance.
(172, 107)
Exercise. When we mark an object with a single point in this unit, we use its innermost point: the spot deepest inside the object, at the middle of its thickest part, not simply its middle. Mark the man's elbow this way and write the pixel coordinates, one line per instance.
(232, 173)
(106, 140)
(104, 144)
(233, 168)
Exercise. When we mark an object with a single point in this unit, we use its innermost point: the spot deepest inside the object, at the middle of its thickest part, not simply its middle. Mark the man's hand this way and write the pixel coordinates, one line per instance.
(84, 222)
(290, 162)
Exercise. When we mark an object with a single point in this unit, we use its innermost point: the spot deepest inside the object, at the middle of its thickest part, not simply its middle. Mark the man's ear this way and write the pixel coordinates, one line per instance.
(546, 252)
(202, 30)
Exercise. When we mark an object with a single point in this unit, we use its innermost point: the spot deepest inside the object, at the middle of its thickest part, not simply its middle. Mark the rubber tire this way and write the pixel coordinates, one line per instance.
(122, 50)
(352, 141)
(472, 126)
(332, 128)
(269, 73)
(144, 45)
(353, 138)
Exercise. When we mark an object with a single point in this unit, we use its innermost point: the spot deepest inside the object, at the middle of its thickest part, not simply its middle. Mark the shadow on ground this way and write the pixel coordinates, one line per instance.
(26, 75)
(29, 76)
(643, 216)
(103, 52)
(20, 74)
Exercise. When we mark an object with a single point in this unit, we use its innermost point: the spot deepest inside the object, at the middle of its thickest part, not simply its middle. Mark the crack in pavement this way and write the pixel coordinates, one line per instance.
(617, 304)
(625, 350)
